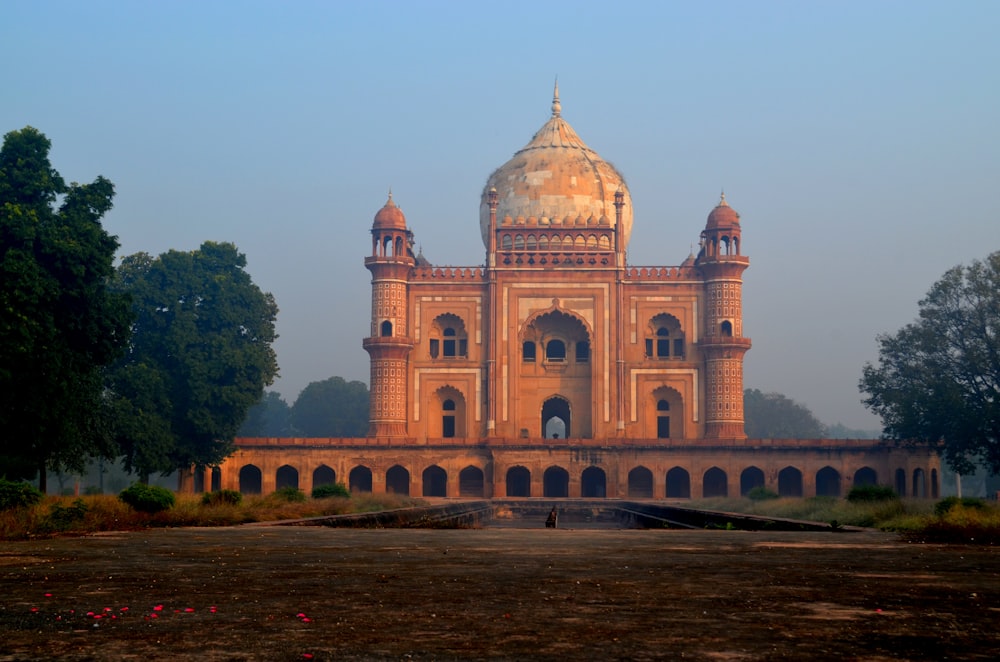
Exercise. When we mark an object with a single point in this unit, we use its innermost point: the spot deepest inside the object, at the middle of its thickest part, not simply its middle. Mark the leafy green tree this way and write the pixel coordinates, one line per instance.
(937, 381)
(60, 323)
(268, 418)
(199, 358)
(331, 408)
(774, 416)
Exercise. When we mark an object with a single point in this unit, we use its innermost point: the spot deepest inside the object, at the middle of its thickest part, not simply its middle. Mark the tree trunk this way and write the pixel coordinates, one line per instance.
(43, 482)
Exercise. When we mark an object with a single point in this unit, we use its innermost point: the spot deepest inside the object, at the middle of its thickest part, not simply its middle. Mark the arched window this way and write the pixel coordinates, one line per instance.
(555, 350)
(448, 337)
(727, 329)
(506, 243)
(662, 342)
(450, 346)
(664, 338)
(448, 418)
(582, 351)
(528, 352)
(662, 419)
(386, 330)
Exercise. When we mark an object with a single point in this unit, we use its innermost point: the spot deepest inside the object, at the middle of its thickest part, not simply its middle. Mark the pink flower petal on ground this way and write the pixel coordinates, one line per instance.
(48, 595)
(34, 609)
(306, 620)
(107, 609)
(300, 615)
(307, 656)
(123, 609)
(188, 609)
(158, 608)
(90, 613)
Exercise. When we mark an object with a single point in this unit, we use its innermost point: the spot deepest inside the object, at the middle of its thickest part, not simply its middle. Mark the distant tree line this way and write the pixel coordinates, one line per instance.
(329, 408)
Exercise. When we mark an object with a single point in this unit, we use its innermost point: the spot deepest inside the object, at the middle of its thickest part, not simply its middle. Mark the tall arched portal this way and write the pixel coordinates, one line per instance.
(553, 360)
(556, 418)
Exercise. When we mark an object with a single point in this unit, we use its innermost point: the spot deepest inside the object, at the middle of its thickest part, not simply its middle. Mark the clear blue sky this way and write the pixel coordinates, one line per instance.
(859, 140)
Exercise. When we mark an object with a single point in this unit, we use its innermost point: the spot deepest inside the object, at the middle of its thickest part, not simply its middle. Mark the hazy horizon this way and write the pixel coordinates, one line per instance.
(851, 137)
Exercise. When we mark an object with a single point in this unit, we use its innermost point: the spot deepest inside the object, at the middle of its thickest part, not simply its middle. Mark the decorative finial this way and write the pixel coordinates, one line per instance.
(722, 199)
(556, 106)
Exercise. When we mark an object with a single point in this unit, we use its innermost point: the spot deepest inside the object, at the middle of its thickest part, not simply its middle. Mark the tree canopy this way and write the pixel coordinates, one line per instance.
(774, 416)
(60, 324)
(937, 380)
(199, 357)
(331, 408)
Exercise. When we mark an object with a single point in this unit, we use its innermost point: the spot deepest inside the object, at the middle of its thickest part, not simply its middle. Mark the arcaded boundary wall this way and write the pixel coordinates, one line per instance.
(572, 468)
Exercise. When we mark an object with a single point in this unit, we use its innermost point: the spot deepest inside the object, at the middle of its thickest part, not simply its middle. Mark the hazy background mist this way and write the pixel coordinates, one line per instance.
(858, 140)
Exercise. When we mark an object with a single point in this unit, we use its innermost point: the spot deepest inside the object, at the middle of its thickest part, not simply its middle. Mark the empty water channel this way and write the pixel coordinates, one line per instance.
(569, 514)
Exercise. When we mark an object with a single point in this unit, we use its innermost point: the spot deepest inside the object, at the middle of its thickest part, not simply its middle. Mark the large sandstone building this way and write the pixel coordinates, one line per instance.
(556, 368)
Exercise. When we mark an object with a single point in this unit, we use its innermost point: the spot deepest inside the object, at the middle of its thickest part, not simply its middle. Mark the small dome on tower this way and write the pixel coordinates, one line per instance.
(723, 216)
(389, 217)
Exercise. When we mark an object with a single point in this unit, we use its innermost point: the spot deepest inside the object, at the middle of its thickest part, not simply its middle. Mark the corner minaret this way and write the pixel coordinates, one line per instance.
(722, 341)
(390, 341)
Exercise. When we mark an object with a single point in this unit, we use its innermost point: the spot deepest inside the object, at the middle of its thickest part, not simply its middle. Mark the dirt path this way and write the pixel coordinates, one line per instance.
(274, 593)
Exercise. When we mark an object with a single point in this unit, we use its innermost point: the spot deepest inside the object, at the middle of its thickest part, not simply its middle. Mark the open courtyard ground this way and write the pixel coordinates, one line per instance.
(293, 593)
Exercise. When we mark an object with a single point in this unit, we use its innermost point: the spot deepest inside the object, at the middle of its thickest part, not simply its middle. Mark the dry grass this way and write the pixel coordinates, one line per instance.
(92, 514)
(822, 509)
(913, 518)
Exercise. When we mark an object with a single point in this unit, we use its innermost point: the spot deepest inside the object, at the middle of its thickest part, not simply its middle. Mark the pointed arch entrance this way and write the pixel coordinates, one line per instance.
(556, 418)
(662, 418)
(555, 359)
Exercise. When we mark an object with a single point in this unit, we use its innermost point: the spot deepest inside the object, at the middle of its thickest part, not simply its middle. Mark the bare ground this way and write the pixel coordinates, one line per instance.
(293, 593)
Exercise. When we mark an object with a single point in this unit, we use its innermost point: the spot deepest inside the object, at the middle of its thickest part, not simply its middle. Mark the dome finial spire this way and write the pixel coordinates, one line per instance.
(722, 199)
(556, 106)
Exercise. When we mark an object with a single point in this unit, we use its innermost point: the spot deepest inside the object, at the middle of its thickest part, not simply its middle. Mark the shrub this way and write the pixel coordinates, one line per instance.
(330, 490)
(761, 493)
(869, 493)
(222, 497)
(62, 517)
(147, 498)
(290, 494)
(17, 494)
(944, 506)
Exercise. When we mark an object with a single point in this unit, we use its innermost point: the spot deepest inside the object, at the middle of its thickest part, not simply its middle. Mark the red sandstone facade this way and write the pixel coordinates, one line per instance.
(556, 368)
